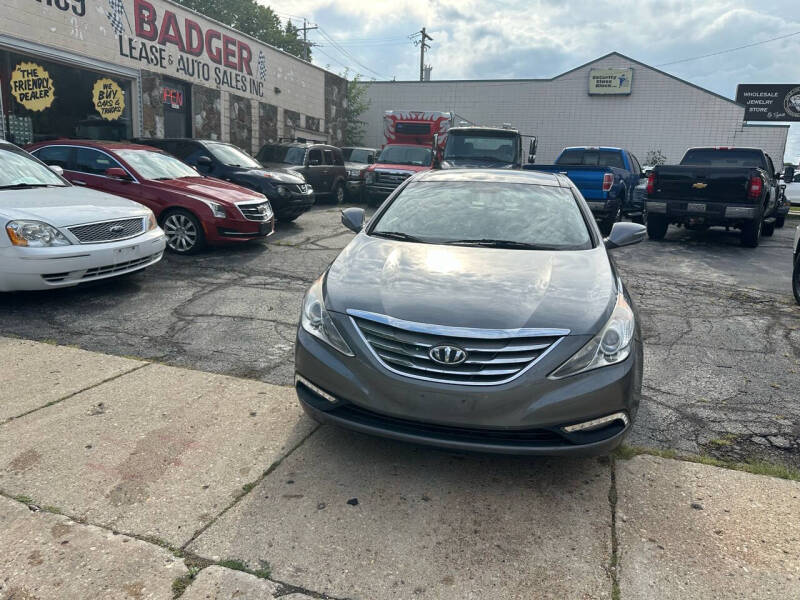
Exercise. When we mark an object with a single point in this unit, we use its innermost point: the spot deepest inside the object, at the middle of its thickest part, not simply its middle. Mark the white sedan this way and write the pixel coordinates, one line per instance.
(54, 235)
(792, 192)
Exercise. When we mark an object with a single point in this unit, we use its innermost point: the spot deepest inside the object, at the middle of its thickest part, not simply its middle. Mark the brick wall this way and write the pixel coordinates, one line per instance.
(661, 113)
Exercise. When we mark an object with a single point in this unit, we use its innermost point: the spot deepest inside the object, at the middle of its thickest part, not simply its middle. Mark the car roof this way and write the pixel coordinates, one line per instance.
(99, 144)
(612, 148)
(491, 175)
(356, 148)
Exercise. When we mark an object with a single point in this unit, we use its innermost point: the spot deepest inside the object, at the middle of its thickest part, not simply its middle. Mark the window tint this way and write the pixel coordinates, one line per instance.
(545, 216)
(711, 157)
(54, 155)
(338, 159)
(593, 158)
(769, 163)
(328, 156)
(483, 147)
(93, 162)
(314, 156)
(637, 168)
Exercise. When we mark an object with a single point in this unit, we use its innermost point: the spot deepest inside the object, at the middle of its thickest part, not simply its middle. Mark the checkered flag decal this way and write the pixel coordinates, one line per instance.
(262, 65)
(115, 15)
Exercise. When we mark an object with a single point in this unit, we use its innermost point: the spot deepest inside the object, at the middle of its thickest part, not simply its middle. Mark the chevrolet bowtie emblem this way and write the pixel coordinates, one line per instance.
(700, 186)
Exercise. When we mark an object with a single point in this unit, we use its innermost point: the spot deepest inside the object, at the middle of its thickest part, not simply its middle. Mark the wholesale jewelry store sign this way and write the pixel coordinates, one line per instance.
(769, 102)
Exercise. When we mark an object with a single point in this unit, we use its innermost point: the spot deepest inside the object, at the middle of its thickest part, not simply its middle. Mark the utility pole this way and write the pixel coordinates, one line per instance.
(422, 47)
(306, 28)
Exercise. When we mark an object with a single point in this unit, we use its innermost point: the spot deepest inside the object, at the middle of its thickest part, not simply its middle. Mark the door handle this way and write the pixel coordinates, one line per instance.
(78, 182)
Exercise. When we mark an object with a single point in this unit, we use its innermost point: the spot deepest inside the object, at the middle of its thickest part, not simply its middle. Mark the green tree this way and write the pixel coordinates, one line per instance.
(655, 158)
(253, 19)
(357, 105)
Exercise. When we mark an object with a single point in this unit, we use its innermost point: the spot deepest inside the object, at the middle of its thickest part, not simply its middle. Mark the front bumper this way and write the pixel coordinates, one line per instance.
(294, 203)
(229, 230)
(64, 266)
(524, 416)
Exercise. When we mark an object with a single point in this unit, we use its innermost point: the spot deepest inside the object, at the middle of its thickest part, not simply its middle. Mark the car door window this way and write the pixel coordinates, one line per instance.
(338, 159)
(314, 157)
(93, 162)
(770, 166)
(328, 157)
(637, 169)
(58, 156)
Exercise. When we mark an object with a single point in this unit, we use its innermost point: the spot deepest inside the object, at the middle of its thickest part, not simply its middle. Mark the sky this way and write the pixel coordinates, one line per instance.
(542, 38)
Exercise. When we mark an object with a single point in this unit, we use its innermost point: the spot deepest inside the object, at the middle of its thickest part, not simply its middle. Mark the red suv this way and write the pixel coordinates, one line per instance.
(192, 209)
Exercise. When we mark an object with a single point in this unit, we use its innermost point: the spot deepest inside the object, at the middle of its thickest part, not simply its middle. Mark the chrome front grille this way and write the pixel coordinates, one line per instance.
(299, 188)
(492, 356)
(108, 231)
(261, 211)
(389, 178)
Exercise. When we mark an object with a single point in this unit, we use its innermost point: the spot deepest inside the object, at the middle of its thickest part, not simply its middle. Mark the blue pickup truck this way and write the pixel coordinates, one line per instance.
(606, 177)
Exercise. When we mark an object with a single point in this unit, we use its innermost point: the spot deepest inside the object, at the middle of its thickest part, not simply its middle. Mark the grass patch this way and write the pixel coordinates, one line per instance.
(756, 467)
(237, 565)
(24, 499)
(179, 584)
(726, 440)
(53, 509)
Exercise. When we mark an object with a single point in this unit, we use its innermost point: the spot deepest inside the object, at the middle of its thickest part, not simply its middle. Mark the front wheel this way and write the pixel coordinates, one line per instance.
(339, 192)
(657, 226)
(796, 278)
(768, 229)
(780, 221)
(184, 232)
(751, 233)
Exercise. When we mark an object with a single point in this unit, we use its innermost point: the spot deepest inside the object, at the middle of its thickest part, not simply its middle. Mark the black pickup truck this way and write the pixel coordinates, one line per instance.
(732, 187)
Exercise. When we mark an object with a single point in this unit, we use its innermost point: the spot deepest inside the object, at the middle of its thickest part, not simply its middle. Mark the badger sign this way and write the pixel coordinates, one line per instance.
(108, 98)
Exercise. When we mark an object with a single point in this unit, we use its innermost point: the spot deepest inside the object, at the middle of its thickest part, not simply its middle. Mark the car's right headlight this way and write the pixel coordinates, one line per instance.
(283, 191)
(316, 320)
(35, 234)
(611, 346)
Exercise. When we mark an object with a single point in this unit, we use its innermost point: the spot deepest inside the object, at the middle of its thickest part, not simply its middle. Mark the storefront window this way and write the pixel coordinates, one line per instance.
(44, 100)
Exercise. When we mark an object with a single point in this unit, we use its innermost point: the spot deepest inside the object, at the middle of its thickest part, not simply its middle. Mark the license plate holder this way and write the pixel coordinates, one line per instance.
(125, 251)
(696, 207)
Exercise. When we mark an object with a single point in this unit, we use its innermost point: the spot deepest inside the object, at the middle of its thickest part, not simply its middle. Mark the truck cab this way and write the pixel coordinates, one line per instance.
(482, 148)
(409, 138)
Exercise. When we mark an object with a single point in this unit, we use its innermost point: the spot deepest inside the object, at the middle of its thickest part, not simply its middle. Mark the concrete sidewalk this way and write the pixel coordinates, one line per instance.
(126, 479)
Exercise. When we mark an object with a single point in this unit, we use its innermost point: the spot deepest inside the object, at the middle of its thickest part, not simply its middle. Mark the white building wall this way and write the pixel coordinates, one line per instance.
(661, 113)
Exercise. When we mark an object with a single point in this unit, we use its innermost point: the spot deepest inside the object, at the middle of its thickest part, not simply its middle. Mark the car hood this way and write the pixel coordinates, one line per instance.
(393, 167)
(60, 207)
(460, 286)
(208, 187)
(283, 173)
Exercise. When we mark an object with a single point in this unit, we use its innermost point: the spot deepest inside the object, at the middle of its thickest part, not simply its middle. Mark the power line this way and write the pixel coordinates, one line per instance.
(344, 52)
(780, 37)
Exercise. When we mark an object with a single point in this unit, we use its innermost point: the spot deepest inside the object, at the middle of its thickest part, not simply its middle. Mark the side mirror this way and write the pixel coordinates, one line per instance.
(353, 218)
(532, 151)
(56, 169)
(788, 174)
(625, 234)
(204, 162)
(117, 173)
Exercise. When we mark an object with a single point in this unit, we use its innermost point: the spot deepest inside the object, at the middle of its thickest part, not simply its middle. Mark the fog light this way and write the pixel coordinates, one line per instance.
(319, 392)
(598, 423)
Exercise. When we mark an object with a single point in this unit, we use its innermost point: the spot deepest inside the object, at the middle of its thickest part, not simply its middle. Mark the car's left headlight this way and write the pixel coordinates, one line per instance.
(611, 346)
(35, 234)
(152, 223)
(354, 173)
(283, 191)
(316, 320)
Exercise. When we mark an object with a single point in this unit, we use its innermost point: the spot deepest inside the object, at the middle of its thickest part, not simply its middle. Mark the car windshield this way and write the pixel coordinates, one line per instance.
(156, 165)
(493, 148)
(231, 156)
(288, 155)
(19, 170)
(406, 155)
(592, 158)
(513, 215)
(357, 155)
(710, 157)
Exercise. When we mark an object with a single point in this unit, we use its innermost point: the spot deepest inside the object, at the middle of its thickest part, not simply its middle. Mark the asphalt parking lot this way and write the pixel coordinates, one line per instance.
(721, 329)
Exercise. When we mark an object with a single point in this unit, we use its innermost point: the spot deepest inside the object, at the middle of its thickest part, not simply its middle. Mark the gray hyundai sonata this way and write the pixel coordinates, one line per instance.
(477, 310)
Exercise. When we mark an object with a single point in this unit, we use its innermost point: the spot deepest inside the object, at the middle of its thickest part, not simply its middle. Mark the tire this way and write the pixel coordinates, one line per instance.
(751, 233)
(184, 232)
(780, 221)
(767, 229)
(289, 216)
(657, 226)
(796, 278)
(608, 223)
(339, 193)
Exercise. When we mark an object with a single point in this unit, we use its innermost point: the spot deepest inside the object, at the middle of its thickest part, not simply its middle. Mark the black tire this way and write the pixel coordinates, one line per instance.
(657, 226)
(780, 221)
(289, 216)
(183, 230)
(796, 278)
(339, 193)
(751, 233)
(767, 229)
(608, 223)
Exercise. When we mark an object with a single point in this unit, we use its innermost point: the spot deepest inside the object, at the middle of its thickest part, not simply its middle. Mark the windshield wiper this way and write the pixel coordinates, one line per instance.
(397, 235)
(22, 186)
(490, 243)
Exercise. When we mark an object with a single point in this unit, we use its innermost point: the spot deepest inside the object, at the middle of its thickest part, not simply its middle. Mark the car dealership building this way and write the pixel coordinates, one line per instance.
(611, 101)
(128, 68)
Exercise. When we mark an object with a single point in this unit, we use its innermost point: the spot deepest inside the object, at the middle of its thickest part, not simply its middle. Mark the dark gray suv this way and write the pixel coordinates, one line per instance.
(477, 310)
(321, 165)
